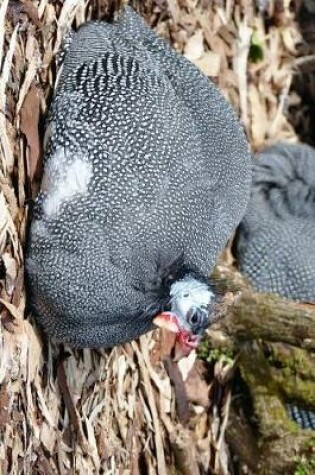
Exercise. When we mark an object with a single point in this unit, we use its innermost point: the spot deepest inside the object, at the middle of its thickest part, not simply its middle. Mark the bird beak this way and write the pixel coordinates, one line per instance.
(184, 342)
(168, 321)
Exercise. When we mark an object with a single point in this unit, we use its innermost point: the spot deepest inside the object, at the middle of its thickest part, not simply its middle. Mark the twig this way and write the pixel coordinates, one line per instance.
(180, 391)
(152, 404)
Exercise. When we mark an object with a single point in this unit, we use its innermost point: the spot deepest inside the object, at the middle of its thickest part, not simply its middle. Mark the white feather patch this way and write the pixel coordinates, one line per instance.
(64, 180)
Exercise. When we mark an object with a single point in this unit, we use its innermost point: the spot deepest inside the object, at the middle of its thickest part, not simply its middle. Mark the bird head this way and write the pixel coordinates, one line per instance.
(191, 305)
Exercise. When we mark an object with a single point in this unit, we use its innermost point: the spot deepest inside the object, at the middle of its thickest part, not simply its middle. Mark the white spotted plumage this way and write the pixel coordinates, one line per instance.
(165, 172)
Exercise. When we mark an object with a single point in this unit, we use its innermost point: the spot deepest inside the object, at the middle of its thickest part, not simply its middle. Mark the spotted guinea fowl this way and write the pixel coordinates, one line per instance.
(276, 239)
(146, 175)
(275, 244)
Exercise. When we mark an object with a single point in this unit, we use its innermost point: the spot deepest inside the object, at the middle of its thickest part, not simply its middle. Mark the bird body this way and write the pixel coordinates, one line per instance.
(146, 175)
(275, 242)
(276, 239)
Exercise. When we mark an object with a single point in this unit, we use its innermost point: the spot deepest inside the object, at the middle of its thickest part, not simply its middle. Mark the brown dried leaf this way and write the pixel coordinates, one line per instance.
(15, 314)
(186, 364)
(4, 406)
(196, 387)
(209, 64)
(7, 156)
(11, 271)
(194, 48)
(31, 11)
(35, 352)
(184, 448)
(180, 392)
(259, 119)
(29, 127)
(74, 416)
(174, 10)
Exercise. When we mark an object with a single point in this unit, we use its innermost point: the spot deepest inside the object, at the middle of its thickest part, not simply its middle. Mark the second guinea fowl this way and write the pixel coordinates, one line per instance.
(147, 174)
(275, 242)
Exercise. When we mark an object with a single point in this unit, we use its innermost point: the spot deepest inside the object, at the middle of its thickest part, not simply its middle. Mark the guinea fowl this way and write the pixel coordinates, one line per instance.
(146, 175)
(276, 239)
(275, 242)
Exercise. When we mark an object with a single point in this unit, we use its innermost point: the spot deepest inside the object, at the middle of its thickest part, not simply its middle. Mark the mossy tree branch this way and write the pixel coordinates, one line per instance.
(253, 316)
(275, 342)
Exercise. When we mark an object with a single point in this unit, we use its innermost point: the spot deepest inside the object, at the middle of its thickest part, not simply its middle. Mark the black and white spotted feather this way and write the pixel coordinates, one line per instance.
(146, 165)
(276, 239)
(275, 243)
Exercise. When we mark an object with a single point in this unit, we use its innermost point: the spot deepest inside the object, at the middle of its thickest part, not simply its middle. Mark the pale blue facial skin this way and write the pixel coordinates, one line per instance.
(190, 302)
